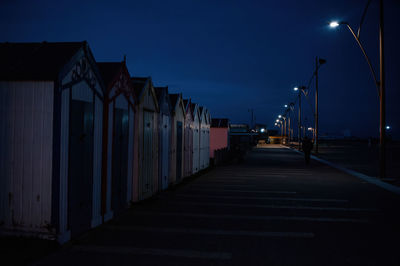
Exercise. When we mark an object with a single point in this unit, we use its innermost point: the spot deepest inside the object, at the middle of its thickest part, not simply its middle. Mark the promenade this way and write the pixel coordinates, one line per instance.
(271, 209)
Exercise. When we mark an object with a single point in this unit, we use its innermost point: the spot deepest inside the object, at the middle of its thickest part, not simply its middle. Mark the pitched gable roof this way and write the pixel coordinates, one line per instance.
(109, 71)
(138, 85)
(36, 61)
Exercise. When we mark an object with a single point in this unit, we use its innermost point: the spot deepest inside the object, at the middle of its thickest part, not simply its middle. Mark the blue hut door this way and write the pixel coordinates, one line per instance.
(165, 152)
(147, 166)
(179, 135)
(80, 181)
(120, 160)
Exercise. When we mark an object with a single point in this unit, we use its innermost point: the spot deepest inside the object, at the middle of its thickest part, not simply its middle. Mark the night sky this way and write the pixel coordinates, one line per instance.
(233, 55)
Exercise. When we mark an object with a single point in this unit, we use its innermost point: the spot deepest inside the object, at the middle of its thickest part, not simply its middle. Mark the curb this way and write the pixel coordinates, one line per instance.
(369, 179)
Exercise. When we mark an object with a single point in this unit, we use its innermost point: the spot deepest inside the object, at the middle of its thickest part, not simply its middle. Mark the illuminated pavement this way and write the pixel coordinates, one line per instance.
(269, 210)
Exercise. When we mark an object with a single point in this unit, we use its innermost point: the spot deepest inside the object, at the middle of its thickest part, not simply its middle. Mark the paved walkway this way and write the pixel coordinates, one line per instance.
(269, 210)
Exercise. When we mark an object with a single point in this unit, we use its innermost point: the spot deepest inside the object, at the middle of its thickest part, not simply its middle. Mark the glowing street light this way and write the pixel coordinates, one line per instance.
(279, 116)
(296, 88)
(387, 127)
(286, 106)
(334, 24)
(277, 120)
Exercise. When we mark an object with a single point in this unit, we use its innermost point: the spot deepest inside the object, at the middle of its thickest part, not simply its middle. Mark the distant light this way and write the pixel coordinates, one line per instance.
(276, 124)
(262, 130)
(279, 116)
(296, 89)
(285, 105)
(334, 24)
(387, 127)
(277, 120)
(310, 128)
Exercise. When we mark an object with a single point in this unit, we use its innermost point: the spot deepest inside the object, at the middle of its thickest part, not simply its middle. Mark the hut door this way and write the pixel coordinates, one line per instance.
(179, 135)
(165, 152)
(120, 160)
(147, 164)
(80, 182)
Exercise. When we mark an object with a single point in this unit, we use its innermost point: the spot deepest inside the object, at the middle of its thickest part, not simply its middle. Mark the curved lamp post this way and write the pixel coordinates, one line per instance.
(380, 85)
(301, 89)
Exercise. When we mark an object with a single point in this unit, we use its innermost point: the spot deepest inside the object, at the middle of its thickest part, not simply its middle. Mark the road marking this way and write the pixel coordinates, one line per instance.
(276, 206)
(252, 217)
(261, 198)
(213, 232)
(155, 252)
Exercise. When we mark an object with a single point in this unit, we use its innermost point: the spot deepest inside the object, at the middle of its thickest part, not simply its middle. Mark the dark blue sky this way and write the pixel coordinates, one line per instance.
(233, 55)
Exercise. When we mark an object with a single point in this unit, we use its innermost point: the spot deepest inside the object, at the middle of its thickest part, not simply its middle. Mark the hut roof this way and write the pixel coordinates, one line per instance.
(35, 61)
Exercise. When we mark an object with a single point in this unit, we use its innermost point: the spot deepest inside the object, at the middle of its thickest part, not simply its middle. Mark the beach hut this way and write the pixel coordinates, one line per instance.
(51, 113)
(177, 138)
(204, 138)
(196, 137)
(219, 135)
(164, 131)
(118, 137)
(146, 139)
(188, 139)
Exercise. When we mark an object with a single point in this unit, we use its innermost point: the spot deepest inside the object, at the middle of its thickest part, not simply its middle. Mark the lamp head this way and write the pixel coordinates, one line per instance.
(334, 24)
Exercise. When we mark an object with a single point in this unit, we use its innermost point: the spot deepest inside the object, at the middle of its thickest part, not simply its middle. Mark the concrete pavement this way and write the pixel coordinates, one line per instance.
(269, 210)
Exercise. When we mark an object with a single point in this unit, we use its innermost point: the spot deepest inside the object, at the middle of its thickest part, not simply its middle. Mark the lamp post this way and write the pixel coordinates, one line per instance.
(380, 85)
(318, 63)
(300, 90)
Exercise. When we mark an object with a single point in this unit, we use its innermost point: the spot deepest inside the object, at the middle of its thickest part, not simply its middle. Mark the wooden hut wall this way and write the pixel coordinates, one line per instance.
(146, 145)
(188, 147)
(26, 155)
(119, 153)
(178, 120)
(164, 122)
(196, 141)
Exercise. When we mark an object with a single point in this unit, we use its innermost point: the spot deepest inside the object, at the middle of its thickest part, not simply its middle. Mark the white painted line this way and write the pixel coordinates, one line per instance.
(369, 179)
(276, 206)
(154, 252)
(261, 198)
(252, 217)
(213, 232)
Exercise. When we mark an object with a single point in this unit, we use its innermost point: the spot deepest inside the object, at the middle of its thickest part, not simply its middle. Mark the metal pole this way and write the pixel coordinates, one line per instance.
(289, 129)
(316, 105)
(299, 122)
(382, 96)
(284, 135)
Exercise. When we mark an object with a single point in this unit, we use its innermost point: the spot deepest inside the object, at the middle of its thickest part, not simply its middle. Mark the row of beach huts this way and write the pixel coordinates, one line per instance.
(81, 140)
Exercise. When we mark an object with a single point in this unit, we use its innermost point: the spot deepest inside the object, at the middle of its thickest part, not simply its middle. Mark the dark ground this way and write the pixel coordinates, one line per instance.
(269, 210)
(361, 157)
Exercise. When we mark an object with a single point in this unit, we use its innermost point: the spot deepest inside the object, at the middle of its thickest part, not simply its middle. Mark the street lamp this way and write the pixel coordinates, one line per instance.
(380, 85)
(318, 63)
(300, 90)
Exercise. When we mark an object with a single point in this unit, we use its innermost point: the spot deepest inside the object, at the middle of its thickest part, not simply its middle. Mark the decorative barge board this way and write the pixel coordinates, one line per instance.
(204, 138)
(51, 98)
(196, 137)
(164, 124)
(118, 137)
(177, 141)
(145, 182)
(188, 146)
